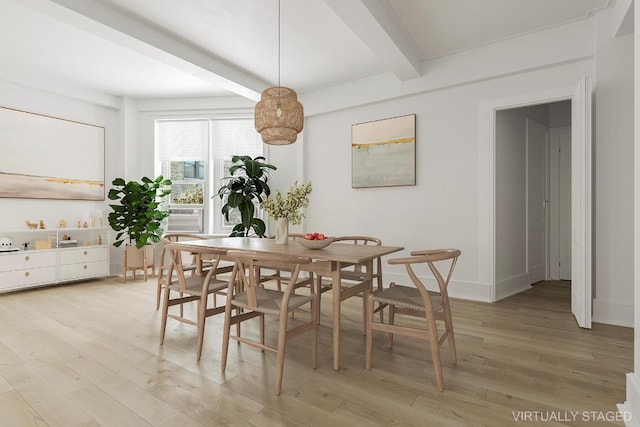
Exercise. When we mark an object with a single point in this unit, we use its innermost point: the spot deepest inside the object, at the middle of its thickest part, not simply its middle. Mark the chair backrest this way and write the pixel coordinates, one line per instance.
(246, 272)
(432, 257)
(165, 259)
(362, 240)
(176, 254)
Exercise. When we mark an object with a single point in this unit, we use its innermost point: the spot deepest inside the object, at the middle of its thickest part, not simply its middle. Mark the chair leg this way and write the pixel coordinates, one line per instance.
(435, 354)
(165, 312)
(369, 324)
(282, 338)
(262, 331)
(314, 331)
(380, 305)
(158, 292)
(319, 297)
(450, 337)
(392, 319)
(202, 310)
(225, 337)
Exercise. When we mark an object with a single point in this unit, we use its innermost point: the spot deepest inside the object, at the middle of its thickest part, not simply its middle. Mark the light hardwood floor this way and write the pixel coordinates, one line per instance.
(87, 354)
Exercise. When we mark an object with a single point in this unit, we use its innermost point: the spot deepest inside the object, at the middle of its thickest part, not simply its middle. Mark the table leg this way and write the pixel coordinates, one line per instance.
(337, 297)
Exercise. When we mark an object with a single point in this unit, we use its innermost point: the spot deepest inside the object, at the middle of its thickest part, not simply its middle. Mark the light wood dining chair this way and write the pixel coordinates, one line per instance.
(249, 299)
(418, 301)
(355, 274)
(181, 289)
(191, 266)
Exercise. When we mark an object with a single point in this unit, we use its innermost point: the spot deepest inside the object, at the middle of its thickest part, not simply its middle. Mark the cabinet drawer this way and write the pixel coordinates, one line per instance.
(24, 278)
(27, 259)
(83, 270)
(83, 255)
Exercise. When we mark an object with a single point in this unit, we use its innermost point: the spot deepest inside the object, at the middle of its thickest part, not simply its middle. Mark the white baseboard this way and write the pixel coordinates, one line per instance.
(630, 409)
(612, 313)
(457, 289)
(512, 285)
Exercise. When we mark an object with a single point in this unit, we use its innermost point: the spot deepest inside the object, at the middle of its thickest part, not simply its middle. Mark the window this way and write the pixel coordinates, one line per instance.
(196, 154)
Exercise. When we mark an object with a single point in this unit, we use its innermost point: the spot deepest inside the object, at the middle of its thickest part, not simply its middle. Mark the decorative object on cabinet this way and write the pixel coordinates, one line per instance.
(383, 152)
(62, 223)
(6, 244)
(41, 225)
(22, 269)
(36, 141)
(243, 191)
(31, 225)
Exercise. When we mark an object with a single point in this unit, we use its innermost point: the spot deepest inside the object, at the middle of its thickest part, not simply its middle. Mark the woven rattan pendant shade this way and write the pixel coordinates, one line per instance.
(279, 116)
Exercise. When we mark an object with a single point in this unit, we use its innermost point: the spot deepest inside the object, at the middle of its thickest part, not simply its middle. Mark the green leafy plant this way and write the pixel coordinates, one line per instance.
(138, 218)
(289, 206)
(246, 185)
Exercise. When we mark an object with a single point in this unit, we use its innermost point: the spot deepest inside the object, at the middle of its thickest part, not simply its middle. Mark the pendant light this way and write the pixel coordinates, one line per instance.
(279, 116)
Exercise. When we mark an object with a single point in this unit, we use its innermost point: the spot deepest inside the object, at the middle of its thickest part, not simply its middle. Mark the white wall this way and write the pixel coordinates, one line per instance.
(613, 169)
(447, 206)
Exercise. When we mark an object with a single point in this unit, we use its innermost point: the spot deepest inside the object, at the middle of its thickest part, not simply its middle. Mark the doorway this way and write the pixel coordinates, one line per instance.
(581, 97)
(532, 196)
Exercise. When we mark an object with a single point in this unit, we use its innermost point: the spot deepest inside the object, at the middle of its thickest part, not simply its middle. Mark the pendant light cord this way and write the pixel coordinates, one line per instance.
(278, 43)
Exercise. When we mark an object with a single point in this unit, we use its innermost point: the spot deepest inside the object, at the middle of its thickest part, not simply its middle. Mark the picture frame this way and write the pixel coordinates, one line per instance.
(45, 157)
(383, 152)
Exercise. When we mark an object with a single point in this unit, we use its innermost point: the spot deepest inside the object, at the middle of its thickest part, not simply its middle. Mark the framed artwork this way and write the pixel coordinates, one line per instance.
(383, 152)
(43, 157)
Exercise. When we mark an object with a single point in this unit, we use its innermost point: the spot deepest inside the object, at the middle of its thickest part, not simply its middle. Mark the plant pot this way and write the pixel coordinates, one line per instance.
(134, 258)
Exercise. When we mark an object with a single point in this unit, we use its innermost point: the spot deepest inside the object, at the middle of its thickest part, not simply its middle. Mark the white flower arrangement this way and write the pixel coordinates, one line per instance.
(289, 206)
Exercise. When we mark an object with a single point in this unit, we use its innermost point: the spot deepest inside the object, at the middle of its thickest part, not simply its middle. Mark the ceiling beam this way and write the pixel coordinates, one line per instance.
(380, 28)
(114, 25)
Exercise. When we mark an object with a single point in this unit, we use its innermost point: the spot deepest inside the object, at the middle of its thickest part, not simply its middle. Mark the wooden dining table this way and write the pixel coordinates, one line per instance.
(327, 262)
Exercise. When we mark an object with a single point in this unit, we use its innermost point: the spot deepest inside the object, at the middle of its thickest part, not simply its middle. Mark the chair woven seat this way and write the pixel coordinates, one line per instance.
(405, 296)
(270, 301)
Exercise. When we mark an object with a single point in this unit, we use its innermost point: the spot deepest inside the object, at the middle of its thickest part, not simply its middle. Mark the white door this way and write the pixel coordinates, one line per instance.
(581, 204)
(564, 207)
(537, 142)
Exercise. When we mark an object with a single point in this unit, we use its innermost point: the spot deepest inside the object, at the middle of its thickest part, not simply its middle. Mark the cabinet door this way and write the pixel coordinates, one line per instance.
(17, 279)
(83, 255)
(27, 259)
(83, 270)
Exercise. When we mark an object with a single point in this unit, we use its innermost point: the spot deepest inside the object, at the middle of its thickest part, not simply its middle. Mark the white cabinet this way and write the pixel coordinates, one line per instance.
(27, 268)
(62, 263)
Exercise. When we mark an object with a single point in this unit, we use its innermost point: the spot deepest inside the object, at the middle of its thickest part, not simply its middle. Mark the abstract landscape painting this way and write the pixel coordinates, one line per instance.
(44, 157)
(383, 152)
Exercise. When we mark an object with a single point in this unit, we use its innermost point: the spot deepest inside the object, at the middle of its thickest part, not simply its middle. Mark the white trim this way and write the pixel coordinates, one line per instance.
(630, 409)
(487, 178)
(613, 312)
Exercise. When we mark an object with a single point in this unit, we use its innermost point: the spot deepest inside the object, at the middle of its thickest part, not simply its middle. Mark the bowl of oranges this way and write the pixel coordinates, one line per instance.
(315, 240)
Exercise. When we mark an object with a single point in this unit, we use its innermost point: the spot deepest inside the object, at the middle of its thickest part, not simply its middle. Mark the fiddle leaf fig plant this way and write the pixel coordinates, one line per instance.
(244, 188)
(138, 218)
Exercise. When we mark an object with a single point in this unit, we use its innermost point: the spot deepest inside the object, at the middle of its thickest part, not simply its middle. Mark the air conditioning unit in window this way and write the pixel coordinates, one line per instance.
(188, 220)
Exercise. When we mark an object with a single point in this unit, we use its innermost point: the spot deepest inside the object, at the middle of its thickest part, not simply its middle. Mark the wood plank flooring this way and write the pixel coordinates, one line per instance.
(87, 354)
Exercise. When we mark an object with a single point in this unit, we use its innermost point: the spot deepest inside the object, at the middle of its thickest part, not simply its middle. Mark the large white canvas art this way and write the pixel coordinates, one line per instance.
(44, 157)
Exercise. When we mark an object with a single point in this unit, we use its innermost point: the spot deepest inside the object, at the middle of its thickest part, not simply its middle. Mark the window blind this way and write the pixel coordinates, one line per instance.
(180, 140)
(234, 137)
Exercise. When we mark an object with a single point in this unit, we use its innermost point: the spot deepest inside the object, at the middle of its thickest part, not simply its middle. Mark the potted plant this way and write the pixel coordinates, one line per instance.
(286, 210)
(246, 186)
(137, 219)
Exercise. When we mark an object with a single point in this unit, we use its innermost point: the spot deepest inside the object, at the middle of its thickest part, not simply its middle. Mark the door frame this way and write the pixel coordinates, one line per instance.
(487, 169)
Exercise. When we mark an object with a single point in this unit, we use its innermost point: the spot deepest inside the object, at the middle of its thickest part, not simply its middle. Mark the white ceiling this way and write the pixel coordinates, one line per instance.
(197, 48)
